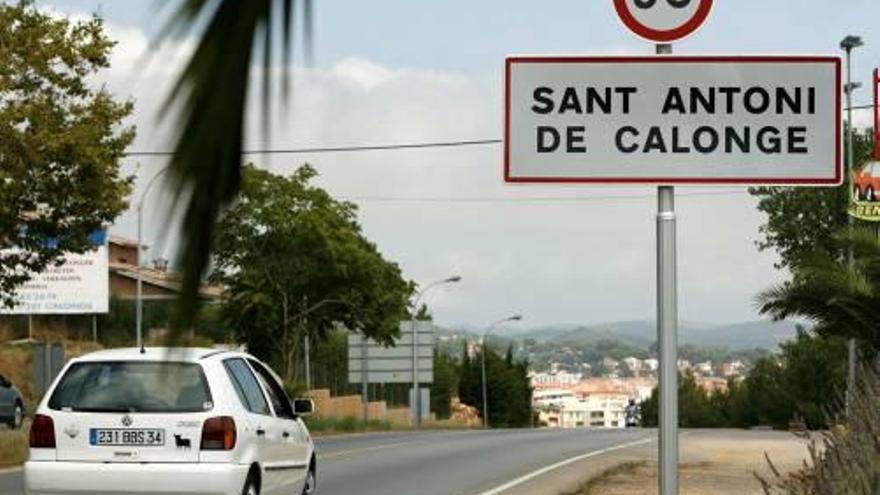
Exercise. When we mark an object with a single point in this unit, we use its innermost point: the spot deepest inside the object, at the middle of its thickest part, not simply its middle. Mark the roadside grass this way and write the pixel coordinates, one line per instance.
(606, 477)
(13, 447)
(327, 426)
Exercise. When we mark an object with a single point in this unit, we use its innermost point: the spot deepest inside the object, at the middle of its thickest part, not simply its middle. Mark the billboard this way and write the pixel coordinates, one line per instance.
(865, 203)
(747, 120)
(81, 285)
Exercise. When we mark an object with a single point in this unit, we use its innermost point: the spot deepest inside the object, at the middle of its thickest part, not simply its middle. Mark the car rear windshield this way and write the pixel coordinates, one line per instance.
(126, 386)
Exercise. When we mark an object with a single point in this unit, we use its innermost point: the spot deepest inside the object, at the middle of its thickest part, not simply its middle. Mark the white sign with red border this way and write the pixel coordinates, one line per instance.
(663, 21)
(673, 120)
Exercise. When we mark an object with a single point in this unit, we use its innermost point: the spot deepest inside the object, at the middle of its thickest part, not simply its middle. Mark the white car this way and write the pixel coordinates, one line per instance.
(163, 421)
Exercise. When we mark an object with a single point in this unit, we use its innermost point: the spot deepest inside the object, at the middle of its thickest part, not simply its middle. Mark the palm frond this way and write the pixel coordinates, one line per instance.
(210, 101)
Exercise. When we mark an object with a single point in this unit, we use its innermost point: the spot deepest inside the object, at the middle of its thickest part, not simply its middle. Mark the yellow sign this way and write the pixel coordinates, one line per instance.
(865, 210)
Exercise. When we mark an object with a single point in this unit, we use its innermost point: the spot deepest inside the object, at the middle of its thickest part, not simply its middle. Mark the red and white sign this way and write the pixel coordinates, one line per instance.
(747, 120)
(663, 21)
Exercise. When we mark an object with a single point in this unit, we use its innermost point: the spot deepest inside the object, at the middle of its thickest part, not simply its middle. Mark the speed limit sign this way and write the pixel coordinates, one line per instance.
(663, 21)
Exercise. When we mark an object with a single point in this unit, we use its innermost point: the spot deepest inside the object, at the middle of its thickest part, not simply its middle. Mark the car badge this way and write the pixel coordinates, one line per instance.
(72, 431)
(126, 420)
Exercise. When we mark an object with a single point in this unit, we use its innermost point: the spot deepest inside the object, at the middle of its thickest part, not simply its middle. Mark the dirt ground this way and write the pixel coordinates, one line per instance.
(712, 463)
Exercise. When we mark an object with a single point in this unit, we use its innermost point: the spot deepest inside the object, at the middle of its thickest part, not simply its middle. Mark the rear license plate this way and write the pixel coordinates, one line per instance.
(127, 437)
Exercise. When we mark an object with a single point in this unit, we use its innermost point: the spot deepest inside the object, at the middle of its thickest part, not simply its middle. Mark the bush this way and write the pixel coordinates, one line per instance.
(847, 459)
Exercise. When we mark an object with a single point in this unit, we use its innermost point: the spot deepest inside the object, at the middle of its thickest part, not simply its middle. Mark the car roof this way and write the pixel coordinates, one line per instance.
(184, 354)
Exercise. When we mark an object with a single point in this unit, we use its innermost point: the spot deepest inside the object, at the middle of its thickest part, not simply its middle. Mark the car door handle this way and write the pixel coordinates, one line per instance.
(261, 432)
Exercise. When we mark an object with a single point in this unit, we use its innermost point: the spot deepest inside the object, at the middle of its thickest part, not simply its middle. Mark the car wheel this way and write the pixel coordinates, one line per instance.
(250, 486)
(311, 486)
(17, 417)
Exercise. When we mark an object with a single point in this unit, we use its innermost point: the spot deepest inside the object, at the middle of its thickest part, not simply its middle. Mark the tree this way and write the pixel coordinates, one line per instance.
(445, 384)
(802, 221)
(60, 141)
(841, 298)
(295, 261)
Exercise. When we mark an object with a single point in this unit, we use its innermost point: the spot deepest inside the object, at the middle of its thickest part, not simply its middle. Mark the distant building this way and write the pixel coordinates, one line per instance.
(565, 409)
(704, 368)
(684, 365)
(634, 364)
(651, 364)
(157, 281)
(732, 369)
(554, 379)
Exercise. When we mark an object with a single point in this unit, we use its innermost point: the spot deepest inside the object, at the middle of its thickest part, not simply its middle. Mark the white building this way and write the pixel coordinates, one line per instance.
(563, 409)
(651, 364)
(704, 368)
(554, 379)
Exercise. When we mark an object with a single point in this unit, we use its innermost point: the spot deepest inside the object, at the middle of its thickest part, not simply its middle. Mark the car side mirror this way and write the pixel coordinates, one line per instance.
(303, 407)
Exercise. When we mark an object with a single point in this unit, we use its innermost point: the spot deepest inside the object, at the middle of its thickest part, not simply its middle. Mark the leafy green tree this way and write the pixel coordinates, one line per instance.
(509, 393)
(802, 220)
(61, 141)
(445, 384)
(294, 261)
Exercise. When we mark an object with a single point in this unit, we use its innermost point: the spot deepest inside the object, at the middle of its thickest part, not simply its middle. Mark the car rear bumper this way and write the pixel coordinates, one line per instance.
(80, 478)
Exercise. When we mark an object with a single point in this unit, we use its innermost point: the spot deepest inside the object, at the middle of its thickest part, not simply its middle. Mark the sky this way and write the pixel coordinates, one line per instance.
(401, 71)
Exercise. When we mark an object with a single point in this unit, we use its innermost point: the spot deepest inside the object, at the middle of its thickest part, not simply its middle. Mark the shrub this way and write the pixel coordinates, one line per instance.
(846, 458)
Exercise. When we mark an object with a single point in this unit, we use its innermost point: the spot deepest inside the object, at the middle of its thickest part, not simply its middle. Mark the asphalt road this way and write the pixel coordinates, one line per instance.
(438, 463)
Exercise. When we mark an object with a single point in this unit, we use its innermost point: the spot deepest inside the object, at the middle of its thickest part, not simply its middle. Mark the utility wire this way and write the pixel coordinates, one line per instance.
(343, 149)
(379, 147)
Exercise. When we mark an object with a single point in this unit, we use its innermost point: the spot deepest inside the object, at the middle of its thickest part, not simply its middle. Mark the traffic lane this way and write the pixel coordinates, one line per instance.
(334, 444)
(11, 482)
(461, 464)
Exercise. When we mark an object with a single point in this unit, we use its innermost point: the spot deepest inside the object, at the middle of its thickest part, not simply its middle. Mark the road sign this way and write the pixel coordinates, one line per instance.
(663, 21)
(673, 120)
(392, 364)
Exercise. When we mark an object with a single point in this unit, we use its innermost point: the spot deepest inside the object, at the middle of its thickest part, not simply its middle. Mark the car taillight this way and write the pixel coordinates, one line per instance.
(218, 433)
(42, 432)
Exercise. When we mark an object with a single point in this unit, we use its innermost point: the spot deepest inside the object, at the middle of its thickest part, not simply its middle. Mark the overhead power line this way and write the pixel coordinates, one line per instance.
(344, 149)
(377, 147)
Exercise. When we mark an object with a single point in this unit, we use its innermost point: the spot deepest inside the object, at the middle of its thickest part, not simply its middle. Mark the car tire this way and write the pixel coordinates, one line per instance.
(17, 417)
(250, 486)
(311, 486)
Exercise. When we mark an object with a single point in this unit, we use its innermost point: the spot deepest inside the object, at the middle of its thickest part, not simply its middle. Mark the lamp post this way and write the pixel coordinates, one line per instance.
(416, 404)
(140, 279)
(483, 355)
(848, 44)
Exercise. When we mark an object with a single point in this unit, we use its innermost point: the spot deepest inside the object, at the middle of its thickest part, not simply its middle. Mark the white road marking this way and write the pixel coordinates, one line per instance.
(366, 449)
(544, 470)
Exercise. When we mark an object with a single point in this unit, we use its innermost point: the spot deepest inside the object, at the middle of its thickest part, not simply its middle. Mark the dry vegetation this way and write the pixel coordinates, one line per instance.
(847, 458)
(13, 447)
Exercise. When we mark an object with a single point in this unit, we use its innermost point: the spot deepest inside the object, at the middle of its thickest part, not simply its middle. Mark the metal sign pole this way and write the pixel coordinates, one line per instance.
(667, 331)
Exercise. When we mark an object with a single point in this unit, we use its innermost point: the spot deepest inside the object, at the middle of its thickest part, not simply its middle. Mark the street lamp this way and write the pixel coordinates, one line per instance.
(848, 44)
(483, 355)
(140, 278)
(416, 402)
